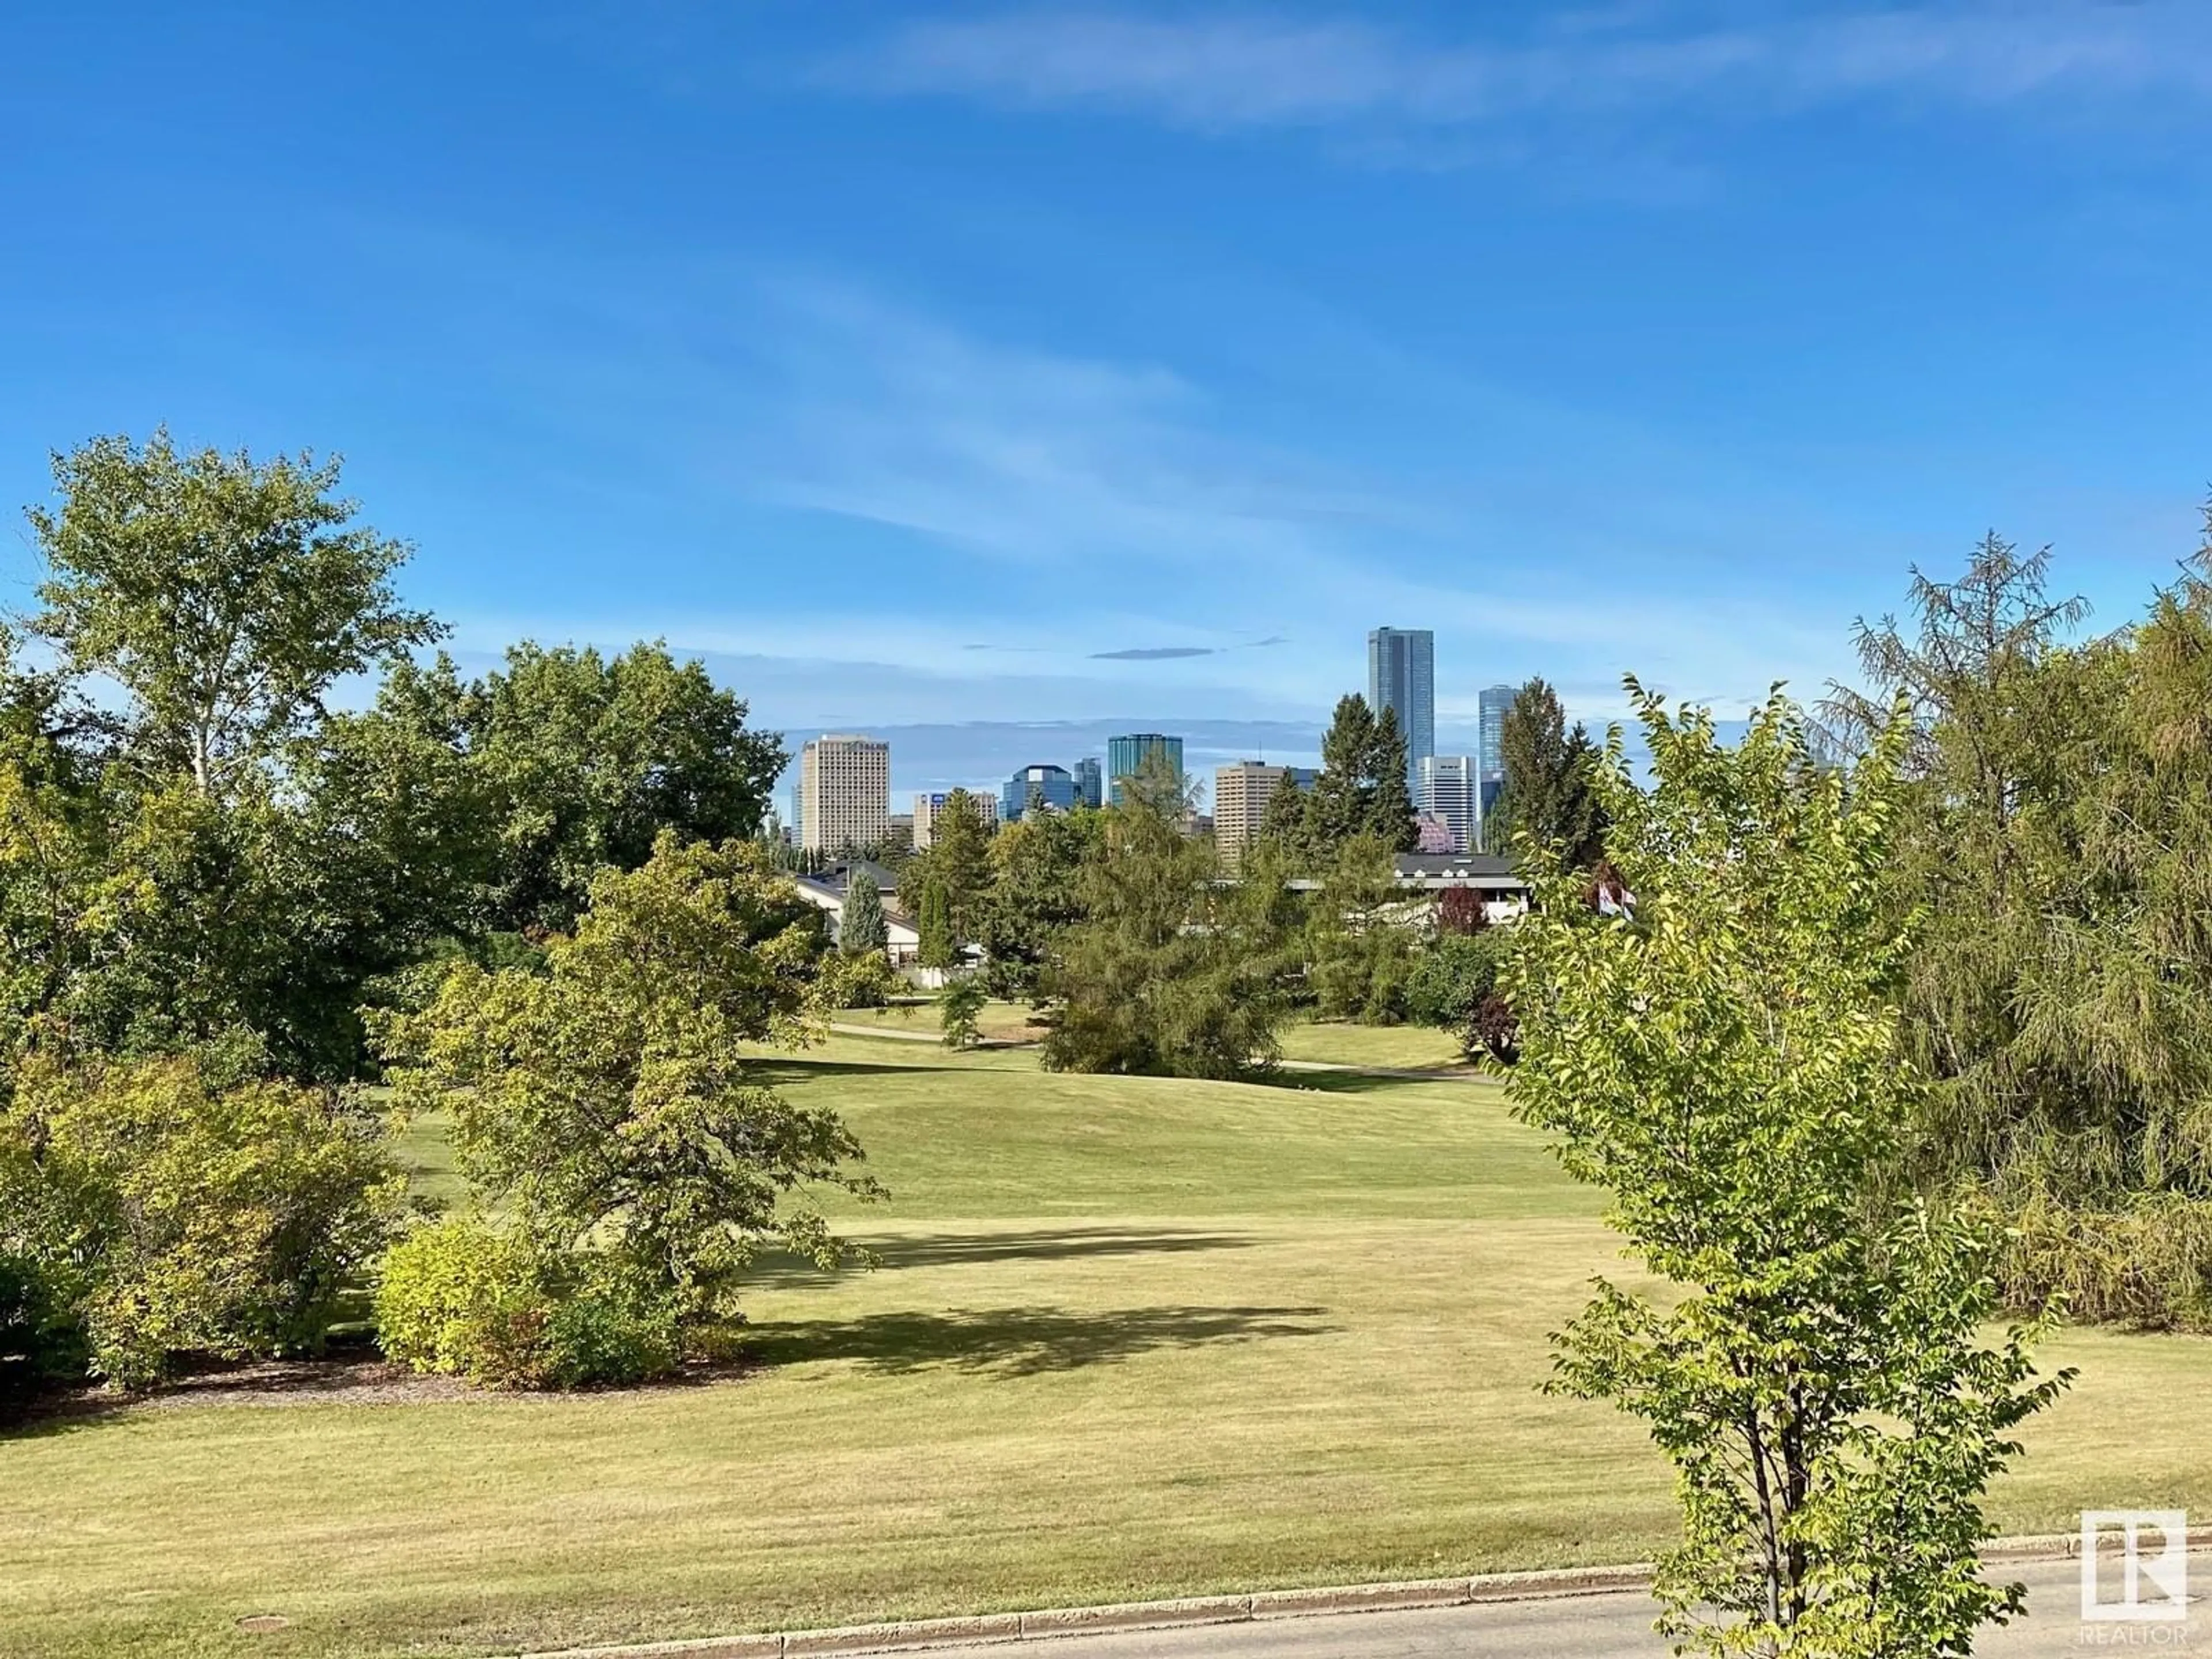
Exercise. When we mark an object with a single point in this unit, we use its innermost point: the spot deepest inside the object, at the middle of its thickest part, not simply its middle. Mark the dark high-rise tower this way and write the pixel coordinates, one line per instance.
(1401, 677)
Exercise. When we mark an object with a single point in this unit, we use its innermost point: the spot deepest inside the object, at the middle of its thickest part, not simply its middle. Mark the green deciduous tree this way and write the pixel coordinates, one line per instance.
(1035, 893)
(603, 1108)
(585, 759)
(1454, 976)
(1726, 1065)
(222, 595)
(1172, 971)
(62, 910)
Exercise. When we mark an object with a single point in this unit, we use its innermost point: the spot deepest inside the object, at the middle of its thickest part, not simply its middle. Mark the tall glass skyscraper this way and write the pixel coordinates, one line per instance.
(1491, 705)
(1401, 677)
(1125, 753)
(1090, 787)
(1494, 702)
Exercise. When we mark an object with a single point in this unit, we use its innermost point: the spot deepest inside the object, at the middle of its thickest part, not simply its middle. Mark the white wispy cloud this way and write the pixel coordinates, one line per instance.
(1027, 456)
(1244, 69)
(1098, 533)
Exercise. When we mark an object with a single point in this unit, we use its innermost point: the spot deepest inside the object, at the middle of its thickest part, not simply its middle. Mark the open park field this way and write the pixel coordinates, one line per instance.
(1129, 1338)
(1409, 1047)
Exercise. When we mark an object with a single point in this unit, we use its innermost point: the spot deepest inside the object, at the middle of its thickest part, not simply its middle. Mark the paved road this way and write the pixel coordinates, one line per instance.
(1611, 1627)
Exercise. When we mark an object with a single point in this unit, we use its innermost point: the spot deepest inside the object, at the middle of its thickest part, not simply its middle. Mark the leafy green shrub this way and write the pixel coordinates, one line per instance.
(611, 1328)
(42, 1340)
(462, 1297)
(177, 1213)
(2148, 1265)
(1452, 978)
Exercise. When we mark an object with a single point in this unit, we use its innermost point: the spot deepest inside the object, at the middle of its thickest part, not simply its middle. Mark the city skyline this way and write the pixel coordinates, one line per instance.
(1216, 744)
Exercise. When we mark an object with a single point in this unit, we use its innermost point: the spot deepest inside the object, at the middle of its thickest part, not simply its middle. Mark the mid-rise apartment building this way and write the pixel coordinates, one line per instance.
(1241, 791)
(844, 792)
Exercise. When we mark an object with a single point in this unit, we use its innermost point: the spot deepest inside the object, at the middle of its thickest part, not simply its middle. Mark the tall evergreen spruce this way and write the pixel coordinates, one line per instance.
(1390, 806)
(1341, 804)
(1361, 790)
(1547, 796)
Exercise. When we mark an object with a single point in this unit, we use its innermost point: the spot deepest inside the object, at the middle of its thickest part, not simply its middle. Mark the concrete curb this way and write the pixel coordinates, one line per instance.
(919, 1635)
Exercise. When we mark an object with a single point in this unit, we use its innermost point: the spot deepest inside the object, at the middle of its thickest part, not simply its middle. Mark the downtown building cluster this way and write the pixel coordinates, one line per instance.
(841, 791)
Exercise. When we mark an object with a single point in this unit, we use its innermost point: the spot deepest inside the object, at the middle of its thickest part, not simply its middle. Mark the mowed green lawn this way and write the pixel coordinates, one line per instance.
(1410, 1048)
(1129, 1337)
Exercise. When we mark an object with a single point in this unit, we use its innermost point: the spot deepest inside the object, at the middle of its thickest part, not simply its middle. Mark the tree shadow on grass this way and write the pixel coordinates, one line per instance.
(787, 1069)
(1020, 1341)
(1046, 1245)
(1364, 1083)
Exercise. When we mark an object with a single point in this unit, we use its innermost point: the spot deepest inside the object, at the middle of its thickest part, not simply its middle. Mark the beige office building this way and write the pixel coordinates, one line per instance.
(926, 809)
(844, 792)
(1241, 794)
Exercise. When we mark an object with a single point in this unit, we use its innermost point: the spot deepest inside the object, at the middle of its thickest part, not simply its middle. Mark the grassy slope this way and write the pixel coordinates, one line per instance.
(1418, 1048)
(1000, 1022)
(1129, 1337)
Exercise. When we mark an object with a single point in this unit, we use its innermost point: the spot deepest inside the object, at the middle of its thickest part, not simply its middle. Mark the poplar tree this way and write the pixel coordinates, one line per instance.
(862, 929)
(934, 923)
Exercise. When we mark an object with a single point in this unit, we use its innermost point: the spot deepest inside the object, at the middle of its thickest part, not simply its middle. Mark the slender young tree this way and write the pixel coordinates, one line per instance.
(1726, 1065)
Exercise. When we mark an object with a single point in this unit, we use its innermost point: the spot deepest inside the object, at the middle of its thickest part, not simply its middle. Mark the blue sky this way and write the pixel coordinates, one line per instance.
(994, 376)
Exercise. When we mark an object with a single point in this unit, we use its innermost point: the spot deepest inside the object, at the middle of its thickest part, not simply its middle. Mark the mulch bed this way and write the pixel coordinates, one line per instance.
(344, 1377)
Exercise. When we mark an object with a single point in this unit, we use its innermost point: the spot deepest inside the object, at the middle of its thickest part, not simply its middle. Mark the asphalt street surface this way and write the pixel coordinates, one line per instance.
(1611, 1626)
